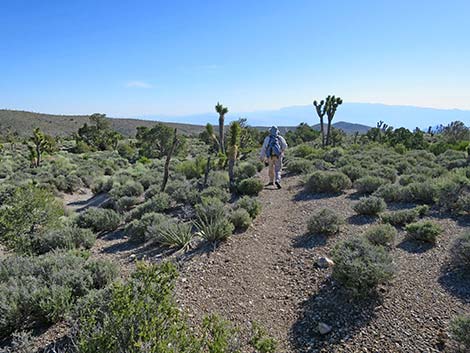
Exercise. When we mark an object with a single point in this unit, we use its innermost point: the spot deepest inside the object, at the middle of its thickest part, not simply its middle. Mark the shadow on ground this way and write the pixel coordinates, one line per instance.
(335, 307)
(455, 279)
(96, 201)
(302, 195)
(309, 241)
(415, 246)
(360, 220)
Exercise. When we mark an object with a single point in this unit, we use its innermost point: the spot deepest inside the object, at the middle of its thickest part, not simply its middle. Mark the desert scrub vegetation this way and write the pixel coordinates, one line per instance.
(461, 250)
(327, 182)
(170, 233)
(250, 204)
(370, 206)
(460, 330)
(361, 266)
(212, 221)
(425, 231)
(382, 234)
(99, 219)
(240, 219)
(250, 187)
(325, 221)
(369, 184)
(404, 217)
(43, 289)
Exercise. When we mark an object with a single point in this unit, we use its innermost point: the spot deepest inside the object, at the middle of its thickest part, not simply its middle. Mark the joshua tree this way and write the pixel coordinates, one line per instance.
(321, 111)
(232, 153)
(168, 159)
(327, 107)
(332, 103)
(219, 108)
(41, 143)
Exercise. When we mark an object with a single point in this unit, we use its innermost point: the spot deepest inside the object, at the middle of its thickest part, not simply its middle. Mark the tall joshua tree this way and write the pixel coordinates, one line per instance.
(328, 107)
(219, 108)
(321, 111)
(332, 104)
(41, 143)
(232, 152)
(170, 152)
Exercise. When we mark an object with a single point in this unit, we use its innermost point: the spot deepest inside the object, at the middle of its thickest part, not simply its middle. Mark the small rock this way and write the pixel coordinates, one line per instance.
(324, 328)
(133, 257)
(325, 262)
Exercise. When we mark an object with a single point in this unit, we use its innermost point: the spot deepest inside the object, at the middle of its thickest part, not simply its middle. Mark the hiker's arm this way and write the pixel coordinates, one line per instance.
(262, 154)
(283, 143)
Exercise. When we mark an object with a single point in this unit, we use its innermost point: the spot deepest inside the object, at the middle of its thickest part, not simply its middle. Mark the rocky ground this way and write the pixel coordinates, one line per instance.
(268, 275)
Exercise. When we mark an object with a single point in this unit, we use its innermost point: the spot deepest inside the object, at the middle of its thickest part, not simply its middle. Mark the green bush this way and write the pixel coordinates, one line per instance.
(327, 182)
(29, 212)
(218, 178)
(370, 206)
(304, 150)
(369, 184)
(260, 340)
(460, 330)
(43, 289)
(68, 238)
(251, 204)
(130, 188)
(404, 217)
(170, 233)
(104, 184)
(299, 166)
(461, 250)
(99, 219)
(389, 192)
(353, 172)
(245, 170)
(361, 266)
(192, 169)
(425, 192)
(212, 222)
(250, 187)
(326, 221)
(240, 219)
(68, 184)
(158, 203)
(126, 203)
(424, 231)
(137, 229)
(382, 234)
(142, 313)
(215, 192)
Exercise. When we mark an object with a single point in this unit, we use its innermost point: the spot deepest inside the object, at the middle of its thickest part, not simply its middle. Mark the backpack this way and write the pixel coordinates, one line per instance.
(274, 147)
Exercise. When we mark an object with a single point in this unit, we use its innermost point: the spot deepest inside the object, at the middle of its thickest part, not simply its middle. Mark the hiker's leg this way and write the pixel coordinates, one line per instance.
(271, 169)
(278, 168)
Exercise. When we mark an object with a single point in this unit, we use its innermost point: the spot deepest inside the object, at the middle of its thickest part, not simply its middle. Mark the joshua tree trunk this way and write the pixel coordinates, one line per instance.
(208, 168)
(322, 130)
(328, 132)
(231, 174)
(38, 155)
(166, 173)
(221, 134)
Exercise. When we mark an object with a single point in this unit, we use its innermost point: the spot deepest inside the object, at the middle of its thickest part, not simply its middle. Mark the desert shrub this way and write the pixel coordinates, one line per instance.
(382, 234)
(425, 192)
(6, 192)
(215, 192)
(260, 340)
(333, 155)
(353, 172)
(361, 266)
(158, 203)
(137, 229)
(170, 233)
(460, 330)
(102, 272)
(30, 211)
(326, 221)
(42, 289)
(403, 217)
(387, 173)
(148, 180)
(463, 203)
(450, 189)
(371, 206)
(245, 170)
(327, 182)
(193, 168)
(423, 231)
(389, 192)
(145, 307)
(250, 186)
(130, 188)
(125, 203)
(412, 178)
(304, 150)
(240, 219)
(104, 184)
(250, 204)
(461, 250)
(21, 342)
(99, 219)
(69, 183)
(182, 191)
(218, 179)
(212, 221)
(68, 238)
(152, 191)
(299, 166)
(369, 184)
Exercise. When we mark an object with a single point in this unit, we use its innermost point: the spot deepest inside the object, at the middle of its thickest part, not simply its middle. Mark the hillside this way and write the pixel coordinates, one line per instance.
(63, 125)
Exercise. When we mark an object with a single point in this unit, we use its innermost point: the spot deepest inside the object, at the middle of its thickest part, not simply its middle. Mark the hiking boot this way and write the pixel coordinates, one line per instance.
(278, 185)
(270, 184)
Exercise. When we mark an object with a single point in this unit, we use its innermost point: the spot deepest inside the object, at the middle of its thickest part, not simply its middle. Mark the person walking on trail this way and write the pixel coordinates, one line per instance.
(272, 151)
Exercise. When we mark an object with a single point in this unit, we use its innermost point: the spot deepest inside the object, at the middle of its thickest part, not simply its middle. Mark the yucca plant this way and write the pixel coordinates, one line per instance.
(173, 234)
(212, 223)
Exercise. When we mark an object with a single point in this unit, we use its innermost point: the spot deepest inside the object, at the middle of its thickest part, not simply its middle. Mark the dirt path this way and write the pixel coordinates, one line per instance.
(267, 275)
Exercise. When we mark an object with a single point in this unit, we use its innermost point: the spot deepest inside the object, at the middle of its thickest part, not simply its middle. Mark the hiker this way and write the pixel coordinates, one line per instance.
(273, 149)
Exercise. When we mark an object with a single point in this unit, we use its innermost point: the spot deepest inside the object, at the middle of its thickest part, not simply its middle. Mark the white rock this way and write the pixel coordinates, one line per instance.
(324, 328)
(325, 262)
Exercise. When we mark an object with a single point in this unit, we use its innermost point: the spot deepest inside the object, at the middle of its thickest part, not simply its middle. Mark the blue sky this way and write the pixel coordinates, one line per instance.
(133, 58)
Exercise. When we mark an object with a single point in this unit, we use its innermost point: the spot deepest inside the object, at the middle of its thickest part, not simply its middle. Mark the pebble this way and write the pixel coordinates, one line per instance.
(324, 329)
